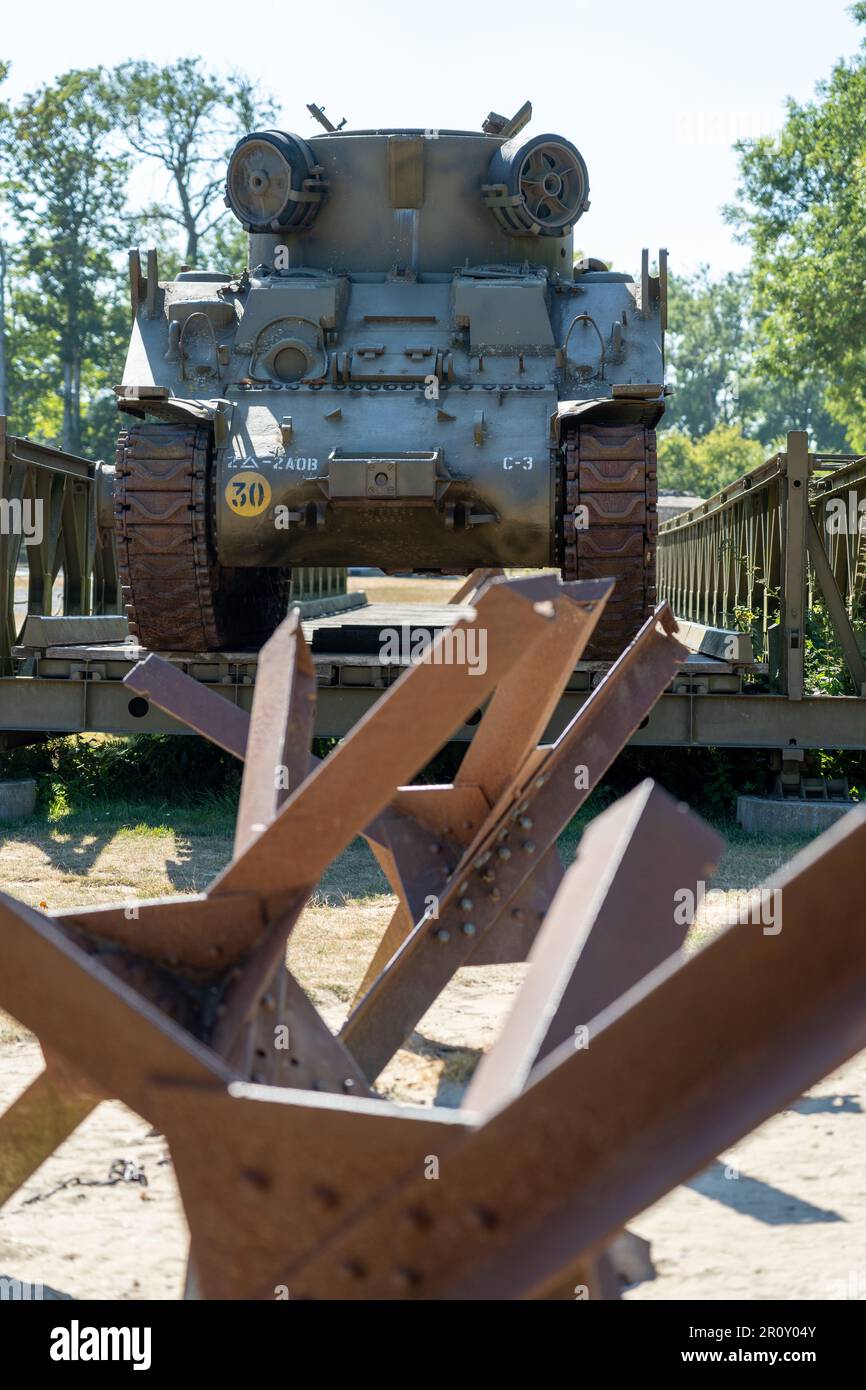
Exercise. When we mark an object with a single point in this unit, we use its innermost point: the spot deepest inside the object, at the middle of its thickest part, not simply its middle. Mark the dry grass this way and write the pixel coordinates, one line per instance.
(390, 589)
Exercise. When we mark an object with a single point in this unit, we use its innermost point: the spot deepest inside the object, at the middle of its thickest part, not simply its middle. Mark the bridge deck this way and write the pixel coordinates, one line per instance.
(77, 687)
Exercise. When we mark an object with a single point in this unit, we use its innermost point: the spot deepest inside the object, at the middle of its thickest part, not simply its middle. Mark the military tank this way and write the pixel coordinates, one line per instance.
(411, 373)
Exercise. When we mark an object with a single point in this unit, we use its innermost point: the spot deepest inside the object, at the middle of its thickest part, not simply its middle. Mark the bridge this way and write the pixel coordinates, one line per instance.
(751, 573)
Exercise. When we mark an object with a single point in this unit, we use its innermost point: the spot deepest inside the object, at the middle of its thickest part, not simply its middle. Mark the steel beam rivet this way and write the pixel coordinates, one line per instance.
(529, 846)
(518, 915)
(327, 1196)
(436, 849)
(465, 904)
(257, 1177)
(269, 1002)
(353, 1269)
(405, 1276)
(495, 894)
(482, 859)
(525, 822)
(503, 835)
(348, 1084)
(540, 781)
(419, 1218)
(443, 934)
(488, 876)
(484, 1217)
(505, 852)
(468, 928)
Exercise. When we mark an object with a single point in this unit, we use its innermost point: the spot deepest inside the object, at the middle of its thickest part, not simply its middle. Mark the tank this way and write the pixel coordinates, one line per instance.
(411, 373)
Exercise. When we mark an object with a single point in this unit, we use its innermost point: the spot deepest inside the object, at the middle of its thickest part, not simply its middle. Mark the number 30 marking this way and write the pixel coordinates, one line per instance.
(248, 494)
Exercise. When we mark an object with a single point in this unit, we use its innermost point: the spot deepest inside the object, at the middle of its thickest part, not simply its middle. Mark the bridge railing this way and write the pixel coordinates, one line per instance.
(755, 555)
(53, 540)
(318, 582)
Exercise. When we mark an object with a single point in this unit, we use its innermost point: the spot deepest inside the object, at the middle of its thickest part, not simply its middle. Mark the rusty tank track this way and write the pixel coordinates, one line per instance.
(176, 595)
(611, 471)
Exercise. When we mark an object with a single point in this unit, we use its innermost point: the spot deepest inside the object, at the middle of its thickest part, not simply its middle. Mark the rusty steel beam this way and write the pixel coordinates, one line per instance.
(196, 933)
(505, 740)
(126, 1046)
(473, 583)
(331, 1196)
(676, 1072)
(391, 743)
(523, 702)
(517, 718)
(313, 1184)
(190, 702)
(40, 1119)
(277, 755)
(615, 919)
(230, 941)
(504, 855)
(509, 731)
(288, 1166)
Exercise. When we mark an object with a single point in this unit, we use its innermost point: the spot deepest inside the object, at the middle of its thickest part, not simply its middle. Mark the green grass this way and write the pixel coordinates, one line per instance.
(213, 814)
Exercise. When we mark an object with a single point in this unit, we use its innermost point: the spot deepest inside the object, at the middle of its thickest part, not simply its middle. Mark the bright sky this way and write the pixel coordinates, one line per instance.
(653, 94)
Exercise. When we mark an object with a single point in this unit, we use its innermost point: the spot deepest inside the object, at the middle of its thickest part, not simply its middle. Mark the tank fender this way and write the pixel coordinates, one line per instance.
(608, 410)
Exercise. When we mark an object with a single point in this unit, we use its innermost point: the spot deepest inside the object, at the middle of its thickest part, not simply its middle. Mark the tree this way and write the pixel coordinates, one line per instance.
(801, 199)
(4, 273)
(700, 467)
(66, 184)
(187, 120)
(714, 356)
(706, 349)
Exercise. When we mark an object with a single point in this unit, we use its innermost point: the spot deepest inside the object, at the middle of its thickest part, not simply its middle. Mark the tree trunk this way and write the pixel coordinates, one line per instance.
(71, 437)
(66, 436)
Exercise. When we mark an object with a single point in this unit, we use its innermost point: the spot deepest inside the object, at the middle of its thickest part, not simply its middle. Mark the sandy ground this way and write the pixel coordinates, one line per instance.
(783, 1217)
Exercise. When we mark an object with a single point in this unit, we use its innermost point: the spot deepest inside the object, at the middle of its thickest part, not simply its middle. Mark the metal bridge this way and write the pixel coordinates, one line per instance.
(746, 572)
(771, 550)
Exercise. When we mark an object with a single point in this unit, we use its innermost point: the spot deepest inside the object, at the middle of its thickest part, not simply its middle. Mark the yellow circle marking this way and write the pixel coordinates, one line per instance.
(248, 494)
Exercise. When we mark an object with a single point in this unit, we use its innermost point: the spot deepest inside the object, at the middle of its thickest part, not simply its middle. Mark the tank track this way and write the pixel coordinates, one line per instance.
(176, 595)
(611, 470)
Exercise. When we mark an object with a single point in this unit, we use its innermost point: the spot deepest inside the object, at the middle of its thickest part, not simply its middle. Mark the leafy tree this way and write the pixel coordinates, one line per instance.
(714, 351)
(66, 188)
(801, 199)
(706, 349)
(4, 273)
(187, 120)
(700, 467)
